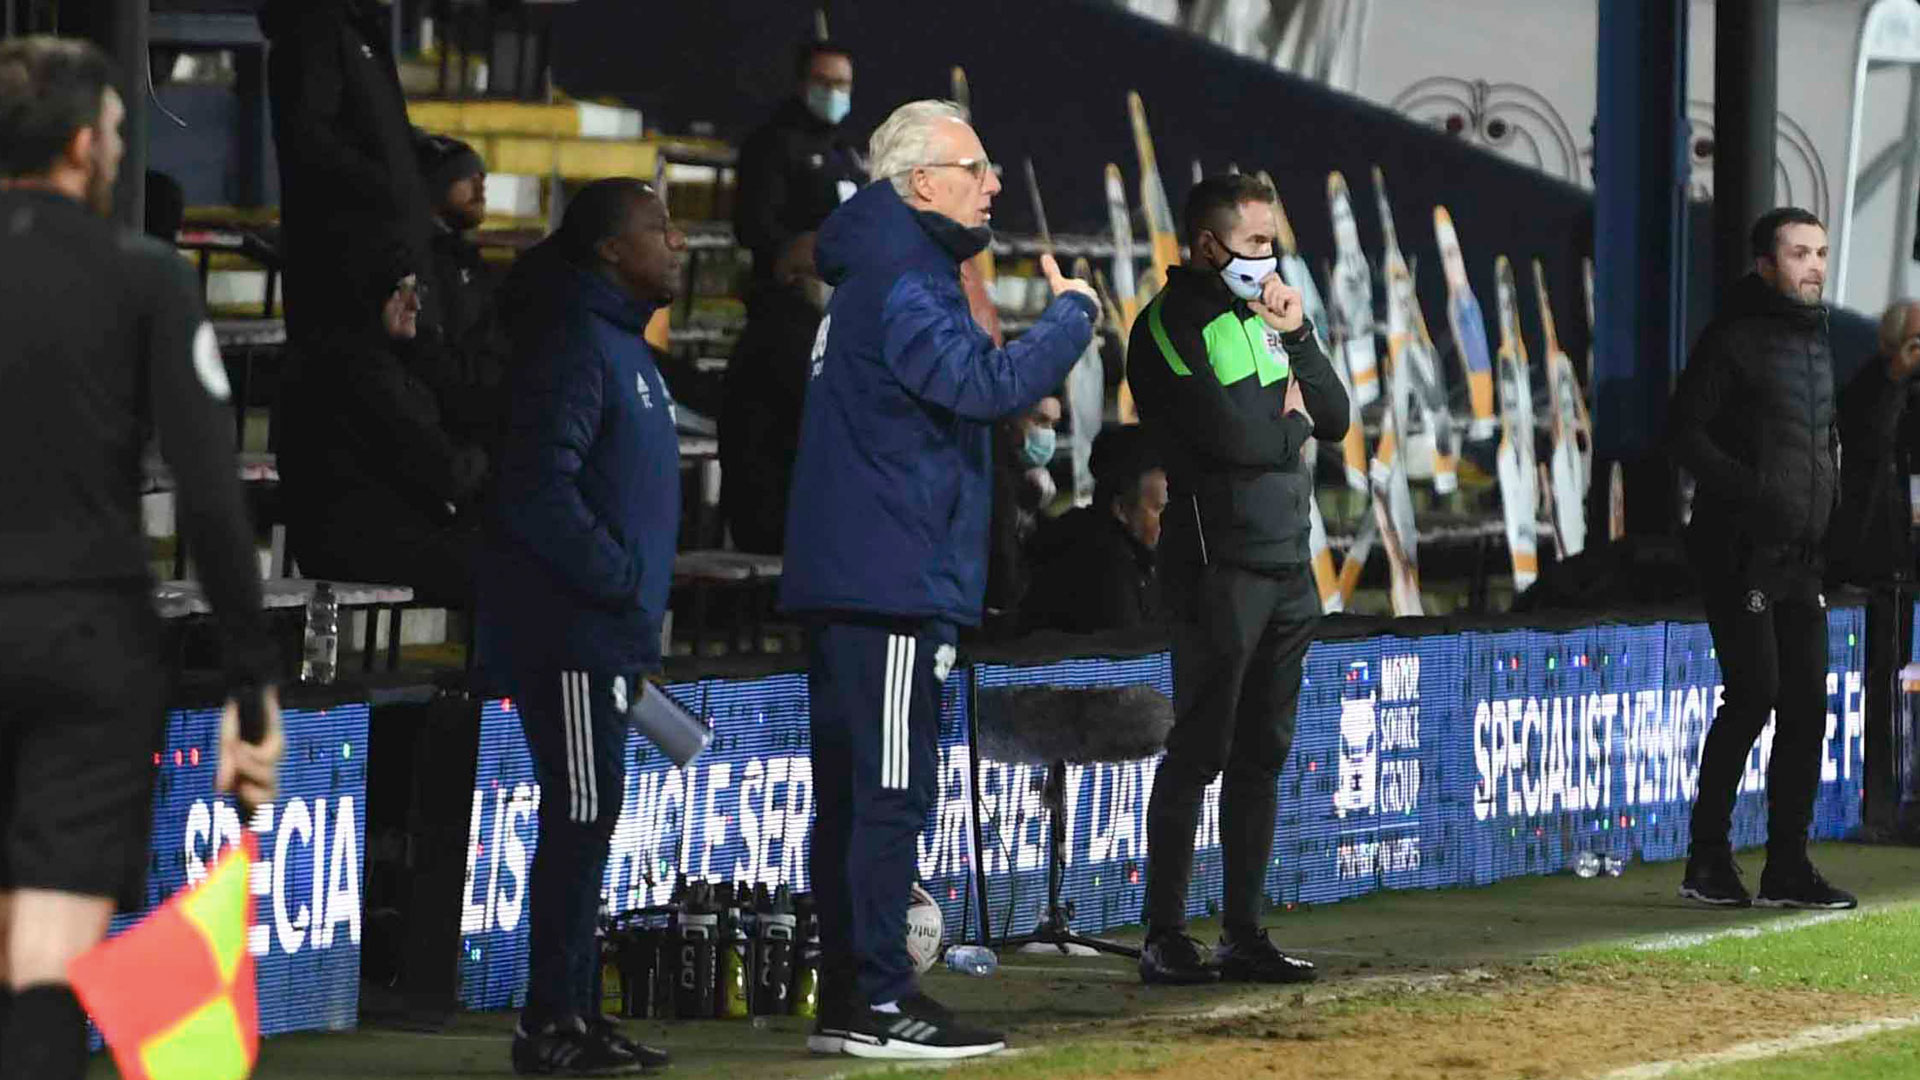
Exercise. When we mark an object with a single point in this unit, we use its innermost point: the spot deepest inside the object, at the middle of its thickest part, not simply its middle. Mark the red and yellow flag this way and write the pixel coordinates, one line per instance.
(174, 996)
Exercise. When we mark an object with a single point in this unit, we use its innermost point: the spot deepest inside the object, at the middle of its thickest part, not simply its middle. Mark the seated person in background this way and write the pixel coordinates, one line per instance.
(464, 349)
(375, 483)
(1022, 448)
(1093, 568)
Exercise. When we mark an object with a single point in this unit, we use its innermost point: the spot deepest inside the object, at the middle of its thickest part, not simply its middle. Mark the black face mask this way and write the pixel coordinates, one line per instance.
(959, 241)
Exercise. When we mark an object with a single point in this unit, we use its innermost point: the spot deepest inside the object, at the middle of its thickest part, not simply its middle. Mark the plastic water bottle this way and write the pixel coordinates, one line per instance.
(1611, 866)
(321, 653)
(975, 960)
(1588, 865)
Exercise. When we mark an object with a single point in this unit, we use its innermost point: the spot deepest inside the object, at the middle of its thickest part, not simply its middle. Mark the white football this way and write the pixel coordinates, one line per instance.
(925, 929)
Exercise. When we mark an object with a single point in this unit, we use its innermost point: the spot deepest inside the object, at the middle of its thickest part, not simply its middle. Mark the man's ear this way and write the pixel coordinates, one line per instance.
(1204, 245)
(80, 149)
(607, 252)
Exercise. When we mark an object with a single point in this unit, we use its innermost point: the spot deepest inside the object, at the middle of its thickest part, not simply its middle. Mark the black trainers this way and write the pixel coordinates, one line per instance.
(923, 1030)
(834, 1013)
(1801, 886)
(1714, 879)
(830, 1026)
(558, 1050)
(1174, 959)
(1254, 959)
(650, 1058)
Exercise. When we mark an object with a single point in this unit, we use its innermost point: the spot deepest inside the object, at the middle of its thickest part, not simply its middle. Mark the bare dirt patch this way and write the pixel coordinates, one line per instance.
(1520, 1023)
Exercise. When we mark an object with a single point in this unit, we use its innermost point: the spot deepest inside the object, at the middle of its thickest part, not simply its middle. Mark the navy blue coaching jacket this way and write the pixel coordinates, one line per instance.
(893, 487)
(585, 515)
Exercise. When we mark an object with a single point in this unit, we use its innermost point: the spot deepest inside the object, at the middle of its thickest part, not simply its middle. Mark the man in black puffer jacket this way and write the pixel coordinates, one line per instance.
(1753, 421)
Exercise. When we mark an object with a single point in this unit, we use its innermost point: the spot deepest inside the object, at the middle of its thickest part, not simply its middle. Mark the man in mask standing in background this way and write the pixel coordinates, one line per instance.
(793, 172)
(1231, 384)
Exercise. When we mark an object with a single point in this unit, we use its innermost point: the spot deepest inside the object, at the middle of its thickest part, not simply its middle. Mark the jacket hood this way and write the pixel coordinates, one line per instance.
(874, 232)
(544, 283)
(532, 288)
(609, 301)
(1752, 297)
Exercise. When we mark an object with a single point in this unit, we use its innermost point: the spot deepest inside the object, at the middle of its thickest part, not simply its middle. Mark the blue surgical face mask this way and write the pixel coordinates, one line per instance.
(830, 105)
(1039, 446)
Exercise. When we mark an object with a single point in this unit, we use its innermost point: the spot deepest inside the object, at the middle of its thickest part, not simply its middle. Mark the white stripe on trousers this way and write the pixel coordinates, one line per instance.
(586, 749)
(583, 788)
(570, 728)
(886, 712)
(896, 713)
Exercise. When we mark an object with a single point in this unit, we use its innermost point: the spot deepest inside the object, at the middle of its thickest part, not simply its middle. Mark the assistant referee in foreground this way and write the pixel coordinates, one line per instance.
(103, 344)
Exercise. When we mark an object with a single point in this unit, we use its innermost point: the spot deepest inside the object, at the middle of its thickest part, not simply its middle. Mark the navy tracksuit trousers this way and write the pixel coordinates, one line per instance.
(875, 719)
(575, 723)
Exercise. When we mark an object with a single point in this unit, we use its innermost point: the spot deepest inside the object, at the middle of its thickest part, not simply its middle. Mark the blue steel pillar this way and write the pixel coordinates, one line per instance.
(1640, 250)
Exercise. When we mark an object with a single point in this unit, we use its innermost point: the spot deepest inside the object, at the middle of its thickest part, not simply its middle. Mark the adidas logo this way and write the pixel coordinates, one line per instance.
(911, 1029)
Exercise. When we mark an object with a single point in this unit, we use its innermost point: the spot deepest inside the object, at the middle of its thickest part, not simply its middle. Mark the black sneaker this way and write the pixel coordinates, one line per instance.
(1801, 886)
(830, 1026)
(558, 1050)
(1254, 959)
(1714, 879)
(1174, 959)
(923, 1030)
(650, 1058)
(836, 1007)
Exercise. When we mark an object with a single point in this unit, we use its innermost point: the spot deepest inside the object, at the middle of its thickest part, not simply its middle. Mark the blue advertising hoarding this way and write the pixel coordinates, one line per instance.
(305, 939)
(1418, 762)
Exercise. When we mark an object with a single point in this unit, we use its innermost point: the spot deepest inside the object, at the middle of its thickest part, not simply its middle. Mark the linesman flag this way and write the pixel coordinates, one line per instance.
(174, 996)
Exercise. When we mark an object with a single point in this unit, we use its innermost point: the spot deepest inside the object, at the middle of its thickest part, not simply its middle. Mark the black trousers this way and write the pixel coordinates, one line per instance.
(1240, 639)
(1773, 660)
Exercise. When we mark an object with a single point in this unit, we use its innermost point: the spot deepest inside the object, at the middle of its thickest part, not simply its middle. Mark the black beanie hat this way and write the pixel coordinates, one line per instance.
(445, 159)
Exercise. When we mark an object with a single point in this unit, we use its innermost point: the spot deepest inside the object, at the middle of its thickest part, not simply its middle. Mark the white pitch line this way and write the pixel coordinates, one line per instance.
(1668, 942)
(1082, 973)
(1810, 1039)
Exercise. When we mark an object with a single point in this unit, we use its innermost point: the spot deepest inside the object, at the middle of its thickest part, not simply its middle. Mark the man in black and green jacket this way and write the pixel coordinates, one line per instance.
(1231, 383)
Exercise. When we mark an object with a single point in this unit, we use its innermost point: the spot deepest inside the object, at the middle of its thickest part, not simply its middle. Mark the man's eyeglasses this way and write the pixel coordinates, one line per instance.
(979, 167)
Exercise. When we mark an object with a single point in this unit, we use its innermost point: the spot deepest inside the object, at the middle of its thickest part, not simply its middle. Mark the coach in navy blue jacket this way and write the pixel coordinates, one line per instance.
(574, 581)
(887, 545)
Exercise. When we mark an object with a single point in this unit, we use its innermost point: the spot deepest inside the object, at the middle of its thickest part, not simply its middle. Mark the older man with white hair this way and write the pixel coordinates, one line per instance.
(887, 545)
(1872, 538)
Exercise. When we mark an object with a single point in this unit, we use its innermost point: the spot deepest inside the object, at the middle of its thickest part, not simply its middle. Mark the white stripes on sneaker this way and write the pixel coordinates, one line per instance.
(896, 712)
(910, 1028)
(576, 712)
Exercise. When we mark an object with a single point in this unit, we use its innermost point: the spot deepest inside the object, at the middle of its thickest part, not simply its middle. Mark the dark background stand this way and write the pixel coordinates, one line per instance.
(1056, 925)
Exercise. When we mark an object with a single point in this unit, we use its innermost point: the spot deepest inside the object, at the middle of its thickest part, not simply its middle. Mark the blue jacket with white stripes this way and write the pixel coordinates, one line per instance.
(893, 480)
(585, 516)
